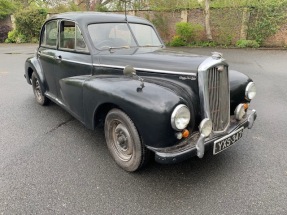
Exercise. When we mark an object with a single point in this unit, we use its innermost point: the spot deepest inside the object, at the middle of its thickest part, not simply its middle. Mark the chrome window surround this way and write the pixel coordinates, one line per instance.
(210, 62)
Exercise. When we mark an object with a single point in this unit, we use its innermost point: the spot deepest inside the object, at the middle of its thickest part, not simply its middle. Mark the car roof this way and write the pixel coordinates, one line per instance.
(85, 18)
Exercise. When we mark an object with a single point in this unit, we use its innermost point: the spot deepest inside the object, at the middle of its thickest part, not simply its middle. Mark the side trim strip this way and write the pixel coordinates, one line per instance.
(147, 70)
(65, 60)
(73, 61)
(45, 55)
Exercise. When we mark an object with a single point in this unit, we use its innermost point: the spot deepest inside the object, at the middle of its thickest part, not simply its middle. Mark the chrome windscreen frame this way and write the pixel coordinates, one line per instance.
(215, 60)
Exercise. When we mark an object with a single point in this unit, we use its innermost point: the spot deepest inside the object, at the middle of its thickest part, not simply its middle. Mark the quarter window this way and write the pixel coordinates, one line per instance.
(50, 34)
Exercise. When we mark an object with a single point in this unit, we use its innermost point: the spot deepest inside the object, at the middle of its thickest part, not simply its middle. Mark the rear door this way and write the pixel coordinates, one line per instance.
(47, 55)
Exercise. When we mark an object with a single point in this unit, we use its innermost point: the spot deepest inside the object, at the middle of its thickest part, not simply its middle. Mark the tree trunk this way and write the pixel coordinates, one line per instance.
(93, 3)
(207, 20)
(87, 5)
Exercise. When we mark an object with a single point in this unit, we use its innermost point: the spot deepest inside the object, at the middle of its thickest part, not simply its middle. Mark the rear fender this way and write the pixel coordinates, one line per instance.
(32, 64)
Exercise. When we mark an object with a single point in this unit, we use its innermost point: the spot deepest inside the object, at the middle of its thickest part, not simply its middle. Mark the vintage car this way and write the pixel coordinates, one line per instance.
(114, 70)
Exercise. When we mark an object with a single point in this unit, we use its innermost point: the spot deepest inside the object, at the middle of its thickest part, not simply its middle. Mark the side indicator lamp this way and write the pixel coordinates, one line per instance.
(185, 133)
(246, 106)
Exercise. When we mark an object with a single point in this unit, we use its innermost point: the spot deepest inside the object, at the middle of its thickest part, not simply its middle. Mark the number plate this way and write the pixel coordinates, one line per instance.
(227, 141)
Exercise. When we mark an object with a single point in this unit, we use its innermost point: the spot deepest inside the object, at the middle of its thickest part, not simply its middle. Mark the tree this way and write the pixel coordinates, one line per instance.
(206, 6)
(92, 5)
(207, 20)
(6, 8)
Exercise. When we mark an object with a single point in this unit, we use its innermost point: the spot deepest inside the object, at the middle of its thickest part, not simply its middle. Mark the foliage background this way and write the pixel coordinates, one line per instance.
(266, 17)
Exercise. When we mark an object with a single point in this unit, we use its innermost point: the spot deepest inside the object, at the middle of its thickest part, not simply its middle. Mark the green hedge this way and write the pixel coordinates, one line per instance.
(28, 25)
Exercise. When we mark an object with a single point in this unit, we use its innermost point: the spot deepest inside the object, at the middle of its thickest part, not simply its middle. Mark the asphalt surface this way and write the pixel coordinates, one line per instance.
(51, 164)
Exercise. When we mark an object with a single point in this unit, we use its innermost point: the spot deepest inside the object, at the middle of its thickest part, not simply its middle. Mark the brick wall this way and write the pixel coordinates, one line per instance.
(279, 39)
(226, 24)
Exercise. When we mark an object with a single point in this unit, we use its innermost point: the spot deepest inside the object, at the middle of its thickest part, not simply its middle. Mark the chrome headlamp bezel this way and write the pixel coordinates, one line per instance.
(175, 116)
(250, 89)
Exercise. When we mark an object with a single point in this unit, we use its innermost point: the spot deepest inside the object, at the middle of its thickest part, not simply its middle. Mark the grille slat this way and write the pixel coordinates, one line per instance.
(218, 90)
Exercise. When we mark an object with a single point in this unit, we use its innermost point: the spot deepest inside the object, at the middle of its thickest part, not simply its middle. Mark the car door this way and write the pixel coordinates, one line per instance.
(47, 55)
(73, 67)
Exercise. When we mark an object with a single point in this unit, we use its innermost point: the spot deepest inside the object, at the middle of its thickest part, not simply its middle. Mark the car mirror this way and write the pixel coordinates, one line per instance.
(131, 72)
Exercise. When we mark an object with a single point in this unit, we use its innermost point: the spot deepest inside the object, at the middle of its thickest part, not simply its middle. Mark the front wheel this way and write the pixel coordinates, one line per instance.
(124, 142)
(38, 91)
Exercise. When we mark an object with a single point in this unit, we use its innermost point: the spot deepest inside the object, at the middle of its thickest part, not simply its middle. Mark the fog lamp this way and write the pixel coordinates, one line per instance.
(239, 112)
(205, 127)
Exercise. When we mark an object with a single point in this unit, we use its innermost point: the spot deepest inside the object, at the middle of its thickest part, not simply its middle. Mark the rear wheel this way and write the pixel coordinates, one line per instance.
(38, 91)
(124, 142)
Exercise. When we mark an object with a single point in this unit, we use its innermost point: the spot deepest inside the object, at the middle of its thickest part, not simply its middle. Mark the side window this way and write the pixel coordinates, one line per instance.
(50, 34)
(67, 35)
(80, 43)
(71, 37)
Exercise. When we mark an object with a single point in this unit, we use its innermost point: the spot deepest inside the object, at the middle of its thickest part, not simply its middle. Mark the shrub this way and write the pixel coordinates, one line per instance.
(28, 25)
(184, 30)
(4, 32)
(186, 33)
(205, 44)
(247, 44)
(16, 37)
(177, 41)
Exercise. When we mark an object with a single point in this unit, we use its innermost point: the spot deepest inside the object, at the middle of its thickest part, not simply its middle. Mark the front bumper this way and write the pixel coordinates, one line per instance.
(196, 144)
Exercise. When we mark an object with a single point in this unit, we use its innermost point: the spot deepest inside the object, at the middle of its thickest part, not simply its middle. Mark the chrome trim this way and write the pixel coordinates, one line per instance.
(218, 95)
(45, 55)
(251, 118)
(172, 118)
(249, 85)
(192, 146)
(203, 87)
(78, 62)
(147, 70)
(200, 146)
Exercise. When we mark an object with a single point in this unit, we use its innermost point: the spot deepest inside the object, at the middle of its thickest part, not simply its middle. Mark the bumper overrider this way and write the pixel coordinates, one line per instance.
(197, 144)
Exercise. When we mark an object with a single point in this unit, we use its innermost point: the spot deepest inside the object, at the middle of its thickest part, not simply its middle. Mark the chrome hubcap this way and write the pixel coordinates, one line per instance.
(122, 141)
(38, 91)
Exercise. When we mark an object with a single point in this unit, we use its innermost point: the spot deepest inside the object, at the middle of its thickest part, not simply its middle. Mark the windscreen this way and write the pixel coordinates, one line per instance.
(113, 35)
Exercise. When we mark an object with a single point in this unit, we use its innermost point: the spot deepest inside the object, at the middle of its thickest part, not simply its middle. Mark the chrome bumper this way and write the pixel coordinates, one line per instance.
(197, 144)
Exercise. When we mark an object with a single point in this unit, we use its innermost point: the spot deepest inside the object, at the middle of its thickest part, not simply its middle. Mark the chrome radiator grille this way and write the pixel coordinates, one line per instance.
(218, 97)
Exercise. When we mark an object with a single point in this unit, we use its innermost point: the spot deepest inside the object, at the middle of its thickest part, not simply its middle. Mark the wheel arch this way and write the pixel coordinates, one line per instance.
(32, 64)
(101, 112)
